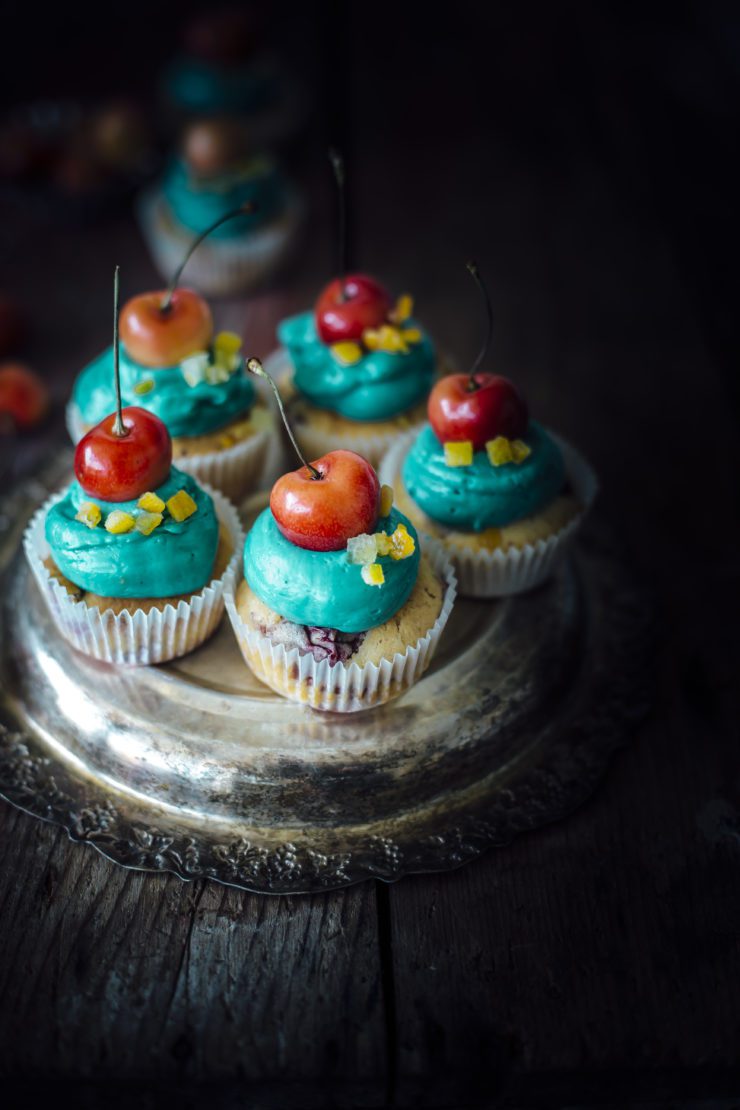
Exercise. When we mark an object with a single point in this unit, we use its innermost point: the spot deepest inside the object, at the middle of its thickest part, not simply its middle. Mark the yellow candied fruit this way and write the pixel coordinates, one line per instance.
(403, 309)
(227, 342)
(347, 353)
(150, 503)
(459, 454)
(118, 522)
(194, 367)
(383, 543)
(144, 387)
(372, 574)
(385, 338)
(147, 522)
(402, 544)
(520, 450)
(89, 514)
(181, 505)
(500, 451)
(386, 500)
(411, 335)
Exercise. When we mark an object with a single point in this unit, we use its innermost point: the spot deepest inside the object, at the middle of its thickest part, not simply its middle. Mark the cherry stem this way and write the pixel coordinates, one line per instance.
(119, 428)
(337, 163)
(255, 367)
(248, 207)
(473, 269)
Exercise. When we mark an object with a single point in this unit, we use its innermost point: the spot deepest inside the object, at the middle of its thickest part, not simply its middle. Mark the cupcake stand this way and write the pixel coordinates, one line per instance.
(197, 768)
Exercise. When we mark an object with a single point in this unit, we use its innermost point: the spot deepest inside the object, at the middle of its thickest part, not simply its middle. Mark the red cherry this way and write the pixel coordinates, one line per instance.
(349, 305)
(494, 407)
(120, 468)
(323, 513)
(23, 396)
(156, 338)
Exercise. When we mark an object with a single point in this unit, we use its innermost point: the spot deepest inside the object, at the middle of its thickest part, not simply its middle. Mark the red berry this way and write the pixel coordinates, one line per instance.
(480, 410)
(23, 396)
(121, 468)
(156, 338)
(322, 514)
(349, 305)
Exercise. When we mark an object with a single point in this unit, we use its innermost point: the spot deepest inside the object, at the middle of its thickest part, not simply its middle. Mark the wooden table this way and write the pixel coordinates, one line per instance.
(594, 962)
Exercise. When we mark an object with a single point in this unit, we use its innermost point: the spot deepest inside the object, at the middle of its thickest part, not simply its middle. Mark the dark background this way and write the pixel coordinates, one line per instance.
(585, 154)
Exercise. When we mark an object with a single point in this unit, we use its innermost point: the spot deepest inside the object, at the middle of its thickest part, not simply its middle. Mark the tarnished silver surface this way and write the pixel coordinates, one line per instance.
(197, 768)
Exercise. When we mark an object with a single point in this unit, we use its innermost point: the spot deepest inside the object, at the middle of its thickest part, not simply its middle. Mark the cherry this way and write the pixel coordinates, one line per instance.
(478, 407)
(322, 513)
(115, 467)
(349, 305)
(23, 396)
(156, 336)
(211, 146)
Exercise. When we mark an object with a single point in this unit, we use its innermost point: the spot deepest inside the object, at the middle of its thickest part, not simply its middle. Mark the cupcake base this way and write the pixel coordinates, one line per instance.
(219, 268)
(319, 430)
(372, 667)
(500, 562)
(135, 631)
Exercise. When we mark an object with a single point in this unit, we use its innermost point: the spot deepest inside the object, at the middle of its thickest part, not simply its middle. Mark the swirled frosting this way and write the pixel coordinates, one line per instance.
(200, 87)
(186, 410)
(473, 498)
(176, 558)
(381, 385)
(322, 587)
(196, 203)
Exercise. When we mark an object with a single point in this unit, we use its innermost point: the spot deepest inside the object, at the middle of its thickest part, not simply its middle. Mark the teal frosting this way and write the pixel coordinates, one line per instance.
(196, 202)
(198, 87)
(173, 559)
(380, 386)
(473, 498)
(322, 587)
(186, 410)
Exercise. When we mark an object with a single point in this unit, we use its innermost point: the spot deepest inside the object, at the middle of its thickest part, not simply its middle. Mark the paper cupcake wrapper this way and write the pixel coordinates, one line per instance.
(489, 574)
(137, 638)
(316, 443)
(234, 471)
(219, 267)
(341, 687)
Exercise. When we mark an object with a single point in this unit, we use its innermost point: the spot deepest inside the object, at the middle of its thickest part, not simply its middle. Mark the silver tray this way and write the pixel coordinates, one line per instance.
(197, 768)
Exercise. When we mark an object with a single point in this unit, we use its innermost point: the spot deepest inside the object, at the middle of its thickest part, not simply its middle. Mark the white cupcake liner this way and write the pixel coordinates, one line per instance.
(315, 443)
(219, 267)
(234, 471)
(489, 574)
(341, 687)
(137, 638)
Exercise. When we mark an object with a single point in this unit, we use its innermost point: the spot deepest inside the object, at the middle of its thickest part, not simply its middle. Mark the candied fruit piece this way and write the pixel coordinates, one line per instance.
(217, 374)
(194, 368)
(403, 309)
(181, 505)
(459, 454)
(362, 549)
(402, 544)
(411, 335)
(89, 514)
(227, 342)
(520, 450)
(146, 386)
(150, 503)
(386, 500)
(147, 522)
(499, 451)
(119, 522)
(347, 353)
(372, 575)
(384, 543)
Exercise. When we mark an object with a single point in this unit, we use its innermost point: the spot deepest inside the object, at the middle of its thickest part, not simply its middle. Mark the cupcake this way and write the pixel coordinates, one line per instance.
(214, 174)
(338, 607)
(172, 364)
(502, 494)
(223, 68)
(356, 371)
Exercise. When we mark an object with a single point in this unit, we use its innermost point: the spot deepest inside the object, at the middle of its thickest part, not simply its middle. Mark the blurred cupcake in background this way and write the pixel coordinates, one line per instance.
(224, 68)
(215, 171)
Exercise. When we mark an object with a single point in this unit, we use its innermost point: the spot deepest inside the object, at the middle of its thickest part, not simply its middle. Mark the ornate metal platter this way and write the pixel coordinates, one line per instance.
(198, 769)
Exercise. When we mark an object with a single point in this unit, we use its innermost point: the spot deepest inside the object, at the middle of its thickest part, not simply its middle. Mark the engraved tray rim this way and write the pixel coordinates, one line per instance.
(608, 708)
